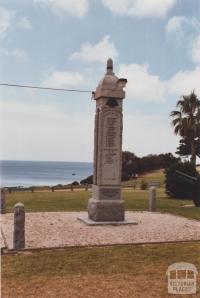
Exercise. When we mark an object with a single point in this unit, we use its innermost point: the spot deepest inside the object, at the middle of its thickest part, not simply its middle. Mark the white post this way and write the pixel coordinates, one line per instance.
(19, 226)
(152, 199)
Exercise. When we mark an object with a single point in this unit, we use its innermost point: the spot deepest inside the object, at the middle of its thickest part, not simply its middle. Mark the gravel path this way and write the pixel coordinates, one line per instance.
(59, 229)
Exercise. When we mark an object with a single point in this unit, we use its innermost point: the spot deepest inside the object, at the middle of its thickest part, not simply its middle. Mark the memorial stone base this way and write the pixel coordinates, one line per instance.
(106, 210)
(106, 204)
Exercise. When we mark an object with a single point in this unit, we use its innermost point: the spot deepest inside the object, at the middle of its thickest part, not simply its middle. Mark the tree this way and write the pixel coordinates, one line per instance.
(132, 166)
(184, 149)
(186, 122)
(129, 165)
(179, 187)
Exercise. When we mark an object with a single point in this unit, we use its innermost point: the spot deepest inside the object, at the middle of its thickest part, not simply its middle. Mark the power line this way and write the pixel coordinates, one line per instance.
(45, 88)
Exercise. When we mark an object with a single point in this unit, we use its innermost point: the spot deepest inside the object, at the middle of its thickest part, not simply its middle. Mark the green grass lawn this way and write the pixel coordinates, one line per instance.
(119, 271)
(77, 201)
(154, 176)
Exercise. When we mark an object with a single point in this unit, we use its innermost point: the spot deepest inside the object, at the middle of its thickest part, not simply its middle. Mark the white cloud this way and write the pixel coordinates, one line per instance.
(25, 23)
(6, 17)
(36, 131)
(195, 52)
(184, 82)
(63, 79)
(182, 24)
(100, 51)
(76, 8)
(175, 24)
(185, 33)
(140, 8)
(145, 134)
(5, 20)
(17, 54)
(142, 85)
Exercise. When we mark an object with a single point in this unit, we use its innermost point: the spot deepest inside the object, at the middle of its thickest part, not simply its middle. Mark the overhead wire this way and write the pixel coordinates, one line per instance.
(45, 88)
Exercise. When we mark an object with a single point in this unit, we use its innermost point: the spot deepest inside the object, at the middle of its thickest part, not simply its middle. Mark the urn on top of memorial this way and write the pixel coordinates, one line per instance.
(110, 85)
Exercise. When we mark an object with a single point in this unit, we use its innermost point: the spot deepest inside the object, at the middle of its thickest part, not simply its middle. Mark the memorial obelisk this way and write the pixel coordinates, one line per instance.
(106, 204)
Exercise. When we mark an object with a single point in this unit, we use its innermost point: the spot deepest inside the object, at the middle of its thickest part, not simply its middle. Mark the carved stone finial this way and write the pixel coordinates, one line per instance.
(109, 66)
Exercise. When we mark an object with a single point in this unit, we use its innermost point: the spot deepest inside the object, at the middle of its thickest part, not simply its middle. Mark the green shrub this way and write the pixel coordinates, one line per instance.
(178, 186)
(88, 180)
(75, 183)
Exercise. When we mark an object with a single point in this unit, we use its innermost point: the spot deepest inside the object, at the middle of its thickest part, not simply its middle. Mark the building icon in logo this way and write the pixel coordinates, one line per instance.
(182, 278)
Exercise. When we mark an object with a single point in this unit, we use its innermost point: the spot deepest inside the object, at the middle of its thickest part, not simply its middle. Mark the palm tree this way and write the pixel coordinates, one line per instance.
(186, 121)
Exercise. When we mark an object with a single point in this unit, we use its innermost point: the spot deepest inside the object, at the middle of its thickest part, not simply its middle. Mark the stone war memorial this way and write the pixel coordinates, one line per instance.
(106, 204)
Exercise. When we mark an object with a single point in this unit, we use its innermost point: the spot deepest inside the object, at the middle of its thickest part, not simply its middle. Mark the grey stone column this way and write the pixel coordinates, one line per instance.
(152, 199)
(19, 226)
(107, 203)
(3, 201)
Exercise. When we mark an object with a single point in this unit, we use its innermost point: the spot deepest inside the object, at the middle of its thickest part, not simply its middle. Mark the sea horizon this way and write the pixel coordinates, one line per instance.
(44, 160)
(26, 173)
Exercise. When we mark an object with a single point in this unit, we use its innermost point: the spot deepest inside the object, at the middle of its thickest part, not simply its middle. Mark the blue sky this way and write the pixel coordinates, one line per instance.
(155, 44)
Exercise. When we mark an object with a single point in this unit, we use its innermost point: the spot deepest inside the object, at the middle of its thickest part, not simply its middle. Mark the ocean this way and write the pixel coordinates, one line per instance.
(42, 173)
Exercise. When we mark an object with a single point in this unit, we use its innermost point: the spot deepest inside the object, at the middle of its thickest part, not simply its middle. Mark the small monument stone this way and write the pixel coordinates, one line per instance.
(152, 199)
(19, 226)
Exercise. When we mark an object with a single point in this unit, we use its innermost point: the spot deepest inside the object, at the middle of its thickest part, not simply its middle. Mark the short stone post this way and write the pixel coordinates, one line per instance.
(72, 187)
(152, 199)
(3, 201)
(19, 226)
